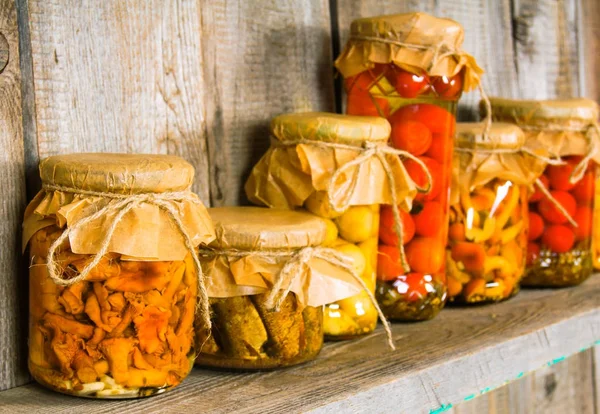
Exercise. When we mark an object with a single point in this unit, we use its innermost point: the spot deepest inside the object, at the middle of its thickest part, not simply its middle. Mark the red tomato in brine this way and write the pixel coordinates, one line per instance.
(411, 136)
(559, 176)
(436, 118)
(583, 218)
(419, 176)
(584, 189)
(537, 194)
(430, 220)
(551, 213)
(536, 226)
(558, 238)
(364, 104)
(449, 88)
(407, 84)
(387, 232)
(413, 286)
(388, 263)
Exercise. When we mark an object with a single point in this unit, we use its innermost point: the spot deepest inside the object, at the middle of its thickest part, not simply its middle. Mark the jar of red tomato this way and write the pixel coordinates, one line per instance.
(487, 241)
(561, 211)
(410, 69)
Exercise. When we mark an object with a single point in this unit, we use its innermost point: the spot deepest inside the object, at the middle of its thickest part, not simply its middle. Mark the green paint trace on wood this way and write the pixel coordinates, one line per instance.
(556, 361)
(444, 407)
(469, 397)
(520, 374)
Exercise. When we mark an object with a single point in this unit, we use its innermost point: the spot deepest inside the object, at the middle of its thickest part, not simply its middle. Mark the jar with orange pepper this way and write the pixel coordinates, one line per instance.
(114, 280)
(487, 244)
(561, 211)
(410, 69)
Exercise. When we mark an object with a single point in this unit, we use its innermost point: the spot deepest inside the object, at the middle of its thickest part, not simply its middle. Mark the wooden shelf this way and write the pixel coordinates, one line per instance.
(457, 356)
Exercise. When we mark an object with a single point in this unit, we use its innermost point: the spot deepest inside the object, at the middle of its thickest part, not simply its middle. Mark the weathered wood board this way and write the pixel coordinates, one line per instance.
(260, 59)
(13, 287)
(462, 353)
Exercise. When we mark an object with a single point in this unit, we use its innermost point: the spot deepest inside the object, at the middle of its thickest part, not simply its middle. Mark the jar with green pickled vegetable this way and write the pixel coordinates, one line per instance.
(268, 279)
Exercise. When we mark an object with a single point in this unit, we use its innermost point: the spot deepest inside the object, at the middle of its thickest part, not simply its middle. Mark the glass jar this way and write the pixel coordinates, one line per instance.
(390, 70)
(559, 250)
(356, 229)
(253, 247)
(333, 166)
(122, 328)
(489, 222)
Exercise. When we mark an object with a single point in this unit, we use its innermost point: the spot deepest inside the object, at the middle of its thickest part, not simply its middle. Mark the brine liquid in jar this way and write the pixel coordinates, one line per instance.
(487, 243)
(421, 111)
(559, 253)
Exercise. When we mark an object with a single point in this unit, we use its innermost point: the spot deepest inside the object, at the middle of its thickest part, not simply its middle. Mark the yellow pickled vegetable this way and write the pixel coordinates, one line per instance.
(357, 224)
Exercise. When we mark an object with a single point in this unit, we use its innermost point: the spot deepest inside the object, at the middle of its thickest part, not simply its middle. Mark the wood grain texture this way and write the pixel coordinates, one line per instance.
(462, 353)
(596, 372)
(562, 388)
(119, 76)
(546, 52)
(260, 59)
(13, 369)
(589, 48)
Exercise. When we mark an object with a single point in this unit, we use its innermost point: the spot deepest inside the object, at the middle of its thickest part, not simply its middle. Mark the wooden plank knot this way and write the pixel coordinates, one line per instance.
(4, 52)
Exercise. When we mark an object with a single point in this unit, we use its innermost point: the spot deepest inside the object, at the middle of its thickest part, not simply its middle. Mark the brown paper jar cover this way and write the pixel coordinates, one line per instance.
(256, 232)
(489, 212)
(252, 247)
(480, 158)
(416, 42)
(293, 168)
(121, 174)
(111, 316)
(558, 127)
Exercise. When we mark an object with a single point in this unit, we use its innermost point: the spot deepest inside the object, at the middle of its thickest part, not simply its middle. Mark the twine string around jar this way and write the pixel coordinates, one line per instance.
(367, 151)
(293, 269)
(121, 204)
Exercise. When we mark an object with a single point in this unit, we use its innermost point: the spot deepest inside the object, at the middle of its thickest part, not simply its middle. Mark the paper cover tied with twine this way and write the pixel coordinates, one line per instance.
(416, 42)
(150, 191)
(554, 128)
(253, 247)
(338, 155)
(480, 158)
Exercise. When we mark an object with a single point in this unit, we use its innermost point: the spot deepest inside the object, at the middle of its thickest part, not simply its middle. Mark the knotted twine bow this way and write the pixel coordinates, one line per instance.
(293, 269)
(121, 204)
(367, 151)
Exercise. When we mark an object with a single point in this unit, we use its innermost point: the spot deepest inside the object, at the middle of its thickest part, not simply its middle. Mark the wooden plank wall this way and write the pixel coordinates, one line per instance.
(202, 78)
(13, 288)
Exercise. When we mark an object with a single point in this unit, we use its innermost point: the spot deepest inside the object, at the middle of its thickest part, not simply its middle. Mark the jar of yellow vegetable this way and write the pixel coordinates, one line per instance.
(489, 220)
(269, 277)
(114, 276)
(340, 168)
(561, 213)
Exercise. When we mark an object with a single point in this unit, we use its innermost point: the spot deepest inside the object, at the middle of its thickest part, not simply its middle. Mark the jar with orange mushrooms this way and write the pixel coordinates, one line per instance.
(118, 322)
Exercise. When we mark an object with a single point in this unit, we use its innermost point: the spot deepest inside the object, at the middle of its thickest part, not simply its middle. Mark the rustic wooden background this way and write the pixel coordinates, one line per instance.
(201, 79)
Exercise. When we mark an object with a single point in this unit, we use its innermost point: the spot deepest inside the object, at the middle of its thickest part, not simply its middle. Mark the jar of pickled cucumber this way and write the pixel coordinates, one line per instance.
(485, 258)
(339, 168)
(561, 212)
(112, 285)
(409, 69)
(261, 254)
